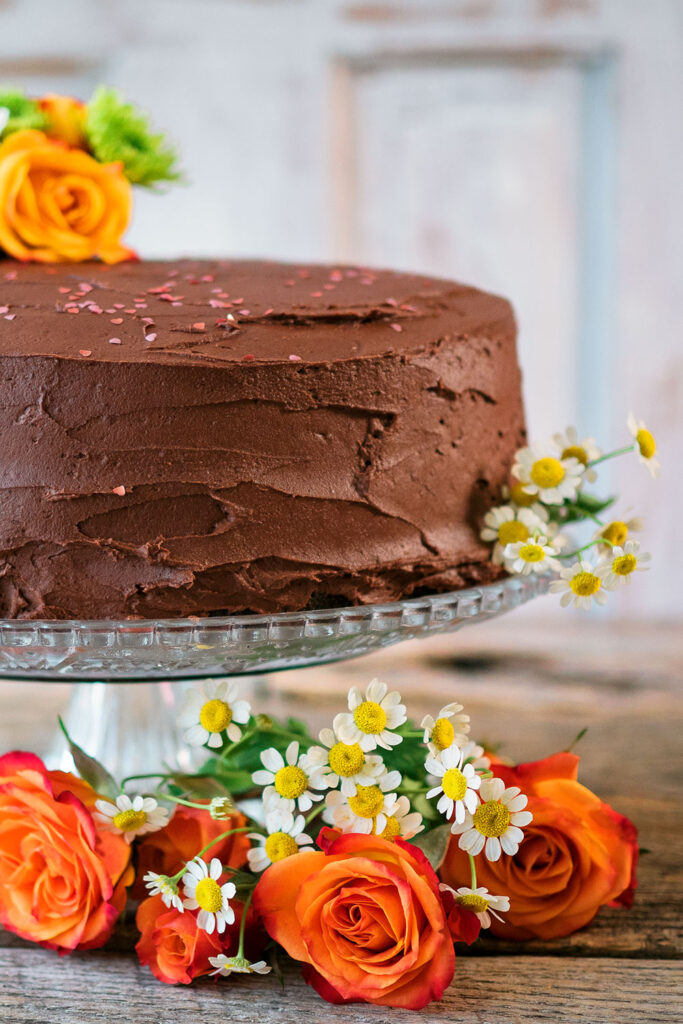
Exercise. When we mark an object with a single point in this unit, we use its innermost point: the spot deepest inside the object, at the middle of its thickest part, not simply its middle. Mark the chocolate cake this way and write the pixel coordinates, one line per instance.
(205, 437)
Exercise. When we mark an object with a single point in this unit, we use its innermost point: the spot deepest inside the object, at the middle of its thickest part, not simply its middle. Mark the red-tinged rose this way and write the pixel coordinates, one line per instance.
(365, 917)
(577, 855)
(63, 877)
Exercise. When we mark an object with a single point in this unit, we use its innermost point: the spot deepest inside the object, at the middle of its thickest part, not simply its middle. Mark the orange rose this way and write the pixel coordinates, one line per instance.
(59, 204)
(188, 832)
(577, 855)
(62, 879)
(364, 916)
(66, 119)
(174, 948)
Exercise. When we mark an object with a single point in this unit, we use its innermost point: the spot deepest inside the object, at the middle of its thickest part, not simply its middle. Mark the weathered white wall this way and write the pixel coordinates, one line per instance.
(530, 146)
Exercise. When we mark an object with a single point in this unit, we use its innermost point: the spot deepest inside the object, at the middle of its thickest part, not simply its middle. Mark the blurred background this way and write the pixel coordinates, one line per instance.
(530, 147)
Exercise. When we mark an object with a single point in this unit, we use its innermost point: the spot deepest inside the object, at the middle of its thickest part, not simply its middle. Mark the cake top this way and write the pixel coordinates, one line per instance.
(224, 311)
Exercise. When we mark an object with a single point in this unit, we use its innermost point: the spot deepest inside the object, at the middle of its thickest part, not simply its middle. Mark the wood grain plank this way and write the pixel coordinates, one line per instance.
(104, 989)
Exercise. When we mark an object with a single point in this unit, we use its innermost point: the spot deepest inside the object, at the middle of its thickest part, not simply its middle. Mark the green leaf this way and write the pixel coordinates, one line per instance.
(434, 844)
(579, 736)
(118, 133)
(23, 112)
(207, 786)
(90, 770)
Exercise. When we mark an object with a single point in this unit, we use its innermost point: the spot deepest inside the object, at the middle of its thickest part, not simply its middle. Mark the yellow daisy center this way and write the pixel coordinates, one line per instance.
(474, 902)
(520, 496)
(443, 734)
(208, 895)
(491, 819)
(130, 821)
(454, 784)
(368, 801)
(531, 553)
(575, 451)
(393, 828)
(346, 759)
(215, 716)
(547, 472)
(290, 782)
(512, 532)
(616, 532)
(624, 565)
(585, 583)
(279, 845)
(370, 717)
(646, 443)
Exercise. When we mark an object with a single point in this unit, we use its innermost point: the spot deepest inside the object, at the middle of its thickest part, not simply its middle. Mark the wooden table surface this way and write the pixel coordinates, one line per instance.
(529, 685)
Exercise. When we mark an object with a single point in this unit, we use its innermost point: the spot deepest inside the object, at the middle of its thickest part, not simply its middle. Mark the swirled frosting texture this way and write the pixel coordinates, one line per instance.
(200, 437)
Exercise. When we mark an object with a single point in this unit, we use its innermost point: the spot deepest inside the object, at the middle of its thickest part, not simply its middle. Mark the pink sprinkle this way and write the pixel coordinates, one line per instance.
(409, 309)
(215, 291)
(173, 273)
(11, 275)
(150, 337)
(114, 341)
(391, 302)
(94, 309)
(248, 357)
(85, 351)
(238, 302)
(120, 490)
(176, 303)
(129, 311)
(295, 359)
(328, 287)
(4, 309)
(73, 309)
(289, 284)
(316, 295)
(147, 320)
(396, 327)
(267, 312)
(199, 326)
(112, 310)
(244, 312)
(207, 277)
(64, 291)
(10, 316)
(141, 305)
(118, 305)
(224, 295)
(336, 275)
(352, 273)
(218, 304)
(85, 287)
(116, 320)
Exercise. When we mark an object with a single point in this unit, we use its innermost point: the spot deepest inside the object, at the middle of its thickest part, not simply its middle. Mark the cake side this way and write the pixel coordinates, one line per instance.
(304, 453)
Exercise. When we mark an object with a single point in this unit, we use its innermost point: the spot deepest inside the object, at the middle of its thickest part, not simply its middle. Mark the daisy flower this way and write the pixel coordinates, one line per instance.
(543, 472)
(535, 555)
(473, 754)
(645, 445)
(617, 532)
(508, 525)
(226, 965)
(221, 807)
(497, 823)
(203, 893)
(401, 822)
(345, 763)
(289, 778)
(582, 583)
(585, 450)
(440, 733)
(458, 784)
(517, 496)
(162, 885)
(371, 718)
(285, 836)
(368, 811)
(131, 818)
(212, 709)
(621, 563)
(482, 902)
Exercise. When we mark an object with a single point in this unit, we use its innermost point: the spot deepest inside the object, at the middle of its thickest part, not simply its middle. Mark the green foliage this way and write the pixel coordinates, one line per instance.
(117, 132)
(434, 844)
(582, 507)
(23, 112)
(90, 770)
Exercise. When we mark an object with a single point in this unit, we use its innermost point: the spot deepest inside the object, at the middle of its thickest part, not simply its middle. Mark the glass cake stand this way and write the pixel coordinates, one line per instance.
(132, 728)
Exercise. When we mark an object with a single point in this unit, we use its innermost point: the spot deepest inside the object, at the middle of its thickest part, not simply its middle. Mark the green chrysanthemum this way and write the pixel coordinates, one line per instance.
(117, 132)
(23, 112)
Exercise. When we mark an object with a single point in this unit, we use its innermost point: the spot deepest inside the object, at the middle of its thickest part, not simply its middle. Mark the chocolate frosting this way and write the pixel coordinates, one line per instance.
(203, 437)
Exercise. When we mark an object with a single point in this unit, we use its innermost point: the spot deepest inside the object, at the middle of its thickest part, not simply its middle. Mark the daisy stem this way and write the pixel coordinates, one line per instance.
(473, 871)
(314, 813)
(224, 835)
(145, 775)
(244, 738)
(186, 803)
(243, 923)
(590, 544)
(611, 455)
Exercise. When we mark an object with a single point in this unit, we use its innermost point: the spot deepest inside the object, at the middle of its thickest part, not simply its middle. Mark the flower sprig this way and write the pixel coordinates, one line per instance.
(546, 494)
